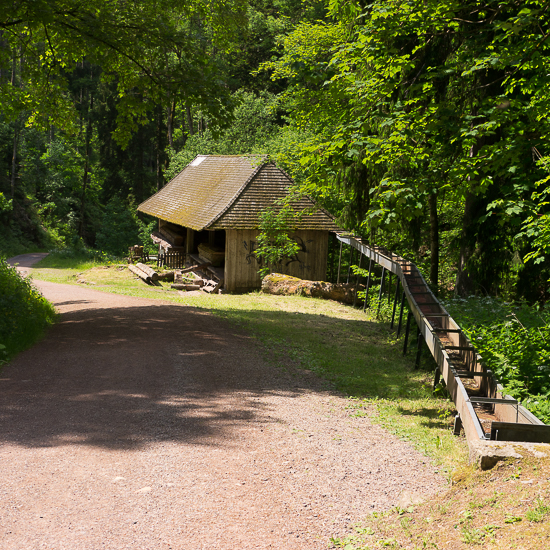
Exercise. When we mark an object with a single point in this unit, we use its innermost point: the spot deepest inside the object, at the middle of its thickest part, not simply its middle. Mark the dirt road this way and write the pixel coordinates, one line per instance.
(139, 424)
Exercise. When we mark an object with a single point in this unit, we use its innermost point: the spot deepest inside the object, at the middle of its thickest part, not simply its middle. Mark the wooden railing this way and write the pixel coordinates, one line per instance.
(483, 410)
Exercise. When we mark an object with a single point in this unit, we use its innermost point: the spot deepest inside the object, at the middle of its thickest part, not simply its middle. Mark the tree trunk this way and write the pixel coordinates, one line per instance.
(189, 119)
(159, 145)
(86, 168)
(464, 283)
(434, 241)
(14, 156)
(170, 123)
(15, 133)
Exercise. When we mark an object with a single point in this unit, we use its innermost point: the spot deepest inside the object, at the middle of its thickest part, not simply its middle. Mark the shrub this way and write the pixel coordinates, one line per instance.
(24, 312)
(514, 341)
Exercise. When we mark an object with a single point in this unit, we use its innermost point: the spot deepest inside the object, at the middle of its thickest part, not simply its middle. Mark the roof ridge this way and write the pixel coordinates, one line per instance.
(236, 196)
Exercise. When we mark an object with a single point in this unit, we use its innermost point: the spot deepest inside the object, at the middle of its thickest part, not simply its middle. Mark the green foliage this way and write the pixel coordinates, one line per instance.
(536, 228)
(253, 126)
(58, 186)
(6, 205)
(148, 49)
(514, 341)
(274, 242)
(539, 511)
(24, 312)
(119, 228)
(144, 235)
(419, 103)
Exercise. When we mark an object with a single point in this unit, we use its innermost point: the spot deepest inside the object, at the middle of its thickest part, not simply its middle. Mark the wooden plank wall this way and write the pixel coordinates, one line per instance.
(241, 264)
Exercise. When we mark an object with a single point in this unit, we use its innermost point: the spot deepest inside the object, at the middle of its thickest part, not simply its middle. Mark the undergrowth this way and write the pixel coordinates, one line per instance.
(24, 312)
(514, 341)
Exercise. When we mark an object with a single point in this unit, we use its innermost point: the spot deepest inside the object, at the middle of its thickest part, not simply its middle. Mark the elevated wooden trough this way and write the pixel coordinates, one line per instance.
(484, 411)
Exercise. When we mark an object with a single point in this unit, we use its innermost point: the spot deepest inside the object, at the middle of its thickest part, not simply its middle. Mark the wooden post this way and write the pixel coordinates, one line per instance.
(437, 378)
(390, 278)
(381, 289)
(368, 286)
(357, 282)
(339, 262)
(395, 302)
(350, 261)
(331, 267)
(401, 314)
(407, 328)
(419, 340)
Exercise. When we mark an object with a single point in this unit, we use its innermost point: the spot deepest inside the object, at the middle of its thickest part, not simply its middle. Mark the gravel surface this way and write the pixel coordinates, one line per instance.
(139, 424)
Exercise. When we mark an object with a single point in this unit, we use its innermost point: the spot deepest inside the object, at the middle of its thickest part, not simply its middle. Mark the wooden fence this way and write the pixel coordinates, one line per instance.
(171, 259)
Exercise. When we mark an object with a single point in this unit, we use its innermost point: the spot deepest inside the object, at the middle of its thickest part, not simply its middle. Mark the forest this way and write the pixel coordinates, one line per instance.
(422, 126)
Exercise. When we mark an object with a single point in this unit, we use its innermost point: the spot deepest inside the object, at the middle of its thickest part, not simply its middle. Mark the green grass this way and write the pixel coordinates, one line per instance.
(504, 508)
(356, 353)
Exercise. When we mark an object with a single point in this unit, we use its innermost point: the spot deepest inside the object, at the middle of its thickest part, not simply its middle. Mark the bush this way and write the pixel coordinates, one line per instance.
(119, 228)
(514, 341)
(24, 312)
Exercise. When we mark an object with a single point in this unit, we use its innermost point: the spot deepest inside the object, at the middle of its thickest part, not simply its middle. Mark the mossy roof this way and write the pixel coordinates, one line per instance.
(229, 192)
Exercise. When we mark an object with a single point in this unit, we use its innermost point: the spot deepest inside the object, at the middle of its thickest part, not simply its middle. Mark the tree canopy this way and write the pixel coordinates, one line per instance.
(423, 108)
(150, 50)
(421, 125)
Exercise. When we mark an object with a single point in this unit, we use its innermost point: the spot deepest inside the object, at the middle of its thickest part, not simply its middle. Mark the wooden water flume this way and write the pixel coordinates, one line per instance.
(485, 413)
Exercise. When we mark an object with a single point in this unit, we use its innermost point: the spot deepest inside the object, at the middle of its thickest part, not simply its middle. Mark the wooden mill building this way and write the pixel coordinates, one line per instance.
(211, 209)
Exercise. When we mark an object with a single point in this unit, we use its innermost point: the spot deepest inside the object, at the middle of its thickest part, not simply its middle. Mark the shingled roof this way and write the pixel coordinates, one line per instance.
(228, 192)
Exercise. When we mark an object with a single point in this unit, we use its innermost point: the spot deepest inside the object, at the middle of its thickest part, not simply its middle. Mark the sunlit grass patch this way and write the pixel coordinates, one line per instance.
(507, 507)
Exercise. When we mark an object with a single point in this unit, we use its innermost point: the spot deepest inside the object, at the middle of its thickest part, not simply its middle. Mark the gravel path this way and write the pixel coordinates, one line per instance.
(139, 424)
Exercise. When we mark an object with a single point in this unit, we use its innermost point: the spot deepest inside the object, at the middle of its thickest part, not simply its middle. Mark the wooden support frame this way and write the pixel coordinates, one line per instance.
(437, 378)
(339, 262)
(419, 341)
(367, 287)
(433, 324)
(401, 314)
(394, 303)
(407, 329)
(351, 249)
(381, 289)
(357, 282)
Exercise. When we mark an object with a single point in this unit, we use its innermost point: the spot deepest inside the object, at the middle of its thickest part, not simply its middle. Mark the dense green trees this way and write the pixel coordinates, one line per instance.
(421, 125)
(423, 111)
(122, 93)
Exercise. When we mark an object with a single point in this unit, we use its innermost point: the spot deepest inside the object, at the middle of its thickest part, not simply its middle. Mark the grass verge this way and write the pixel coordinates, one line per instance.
(502, 509)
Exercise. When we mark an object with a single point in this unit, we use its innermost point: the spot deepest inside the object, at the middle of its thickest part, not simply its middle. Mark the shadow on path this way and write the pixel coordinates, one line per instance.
(125, 376)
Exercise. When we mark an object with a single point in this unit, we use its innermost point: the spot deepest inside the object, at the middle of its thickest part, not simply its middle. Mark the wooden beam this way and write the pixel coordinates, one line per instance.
(151, 273)
(198, 267)
(141, 274)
